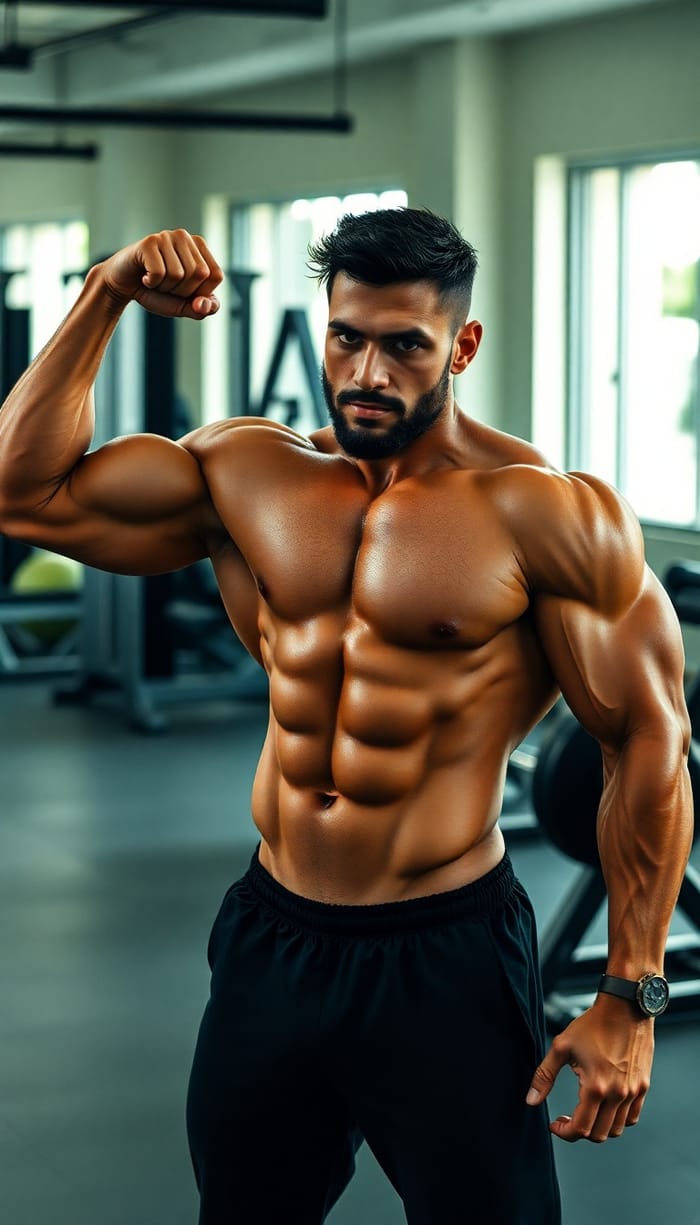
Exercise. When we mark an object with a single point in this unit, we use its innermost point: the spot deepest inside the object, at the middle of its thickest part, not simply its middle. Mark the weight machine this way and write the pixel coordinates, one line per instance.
(22, 653)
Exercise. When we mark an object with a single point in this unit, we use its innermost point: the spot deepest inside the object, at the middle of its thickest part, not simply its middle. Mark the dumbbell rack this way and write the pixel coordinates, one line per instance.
(19, 610)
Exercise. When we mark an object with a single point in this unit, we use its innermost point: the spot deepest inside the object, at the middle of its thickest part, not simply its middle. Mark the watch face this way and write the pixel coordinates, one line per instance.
(653, 995)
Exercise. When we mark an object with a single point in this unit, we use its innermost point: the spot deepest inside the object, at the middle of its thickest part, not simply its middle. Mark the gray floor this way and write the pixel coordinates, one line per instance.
(115, 849)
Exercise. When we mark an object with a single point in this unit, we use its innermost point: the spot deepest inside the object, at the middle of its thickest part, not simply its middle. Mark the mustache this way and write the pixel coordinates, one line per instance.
(371, 397)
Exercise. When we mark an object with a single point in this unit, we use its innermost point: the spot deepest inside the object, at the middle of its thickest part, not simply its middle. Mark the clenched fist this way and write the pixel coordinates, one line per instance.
(172, 273)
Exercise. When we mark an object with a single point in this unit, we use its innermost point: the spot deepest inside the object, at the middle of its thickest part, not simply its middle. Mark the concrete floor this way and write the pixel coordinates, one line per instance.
(115, 850)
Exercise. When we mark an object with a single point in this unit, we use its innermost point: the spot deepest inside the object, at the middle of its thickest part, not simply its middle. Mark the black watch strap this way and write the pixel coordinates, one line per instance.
(650, 993)
(625, 988)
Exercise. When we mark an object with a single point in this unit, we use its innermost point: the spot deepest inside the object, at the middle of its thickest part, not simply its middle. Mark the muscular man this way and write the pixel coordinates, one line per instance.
(418, 587)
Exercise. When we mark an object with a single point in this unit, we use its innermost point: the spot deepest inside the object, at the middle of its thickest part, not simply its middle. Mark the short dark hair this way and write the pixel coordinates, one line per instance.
(395, 245)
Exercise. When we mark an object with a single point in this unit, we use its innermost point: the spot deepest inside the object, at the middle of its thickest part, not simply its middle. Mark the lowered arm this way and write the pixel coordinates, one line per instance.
(615, 648)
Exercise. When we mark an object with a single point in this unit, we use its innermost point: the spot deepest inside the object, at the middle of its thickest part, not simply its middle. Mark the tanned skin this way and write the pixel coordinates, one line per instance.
(416, 616)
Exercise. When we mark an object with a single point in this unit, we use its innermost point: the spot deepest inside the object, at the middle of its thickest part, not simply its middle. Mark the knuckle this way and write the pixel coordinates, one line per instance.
(596, 1089)
(580, 1132)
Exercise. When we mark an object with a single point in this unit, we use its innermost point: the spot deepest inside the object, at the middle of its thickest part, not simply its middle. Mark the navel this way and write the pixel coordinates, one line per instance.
(444, 629)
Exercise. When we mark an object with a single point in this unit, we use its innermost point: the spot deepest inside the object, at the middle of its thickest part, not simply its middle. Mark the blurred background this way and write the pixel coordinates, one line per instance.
(563, 138)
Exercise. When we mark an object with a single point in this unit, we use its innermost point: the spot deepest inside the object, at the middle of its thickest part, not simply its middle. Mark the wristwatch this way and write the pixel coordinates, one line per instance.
(650, 992)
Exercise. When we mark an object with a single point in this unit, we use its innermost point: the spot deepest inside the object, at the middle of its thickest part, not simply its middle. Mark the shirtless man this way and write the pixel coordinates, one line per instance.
(418, 587)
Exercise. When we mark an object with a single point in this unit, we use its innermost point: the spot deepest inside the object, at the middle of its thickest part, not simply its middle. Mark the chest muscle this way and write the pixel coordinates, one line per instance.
(425, 566)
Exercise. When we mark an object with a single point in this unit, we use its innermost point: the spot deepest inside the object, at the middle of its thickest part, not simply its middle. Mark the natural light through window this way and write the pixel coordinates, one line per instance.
(634, 407)
(41, 259)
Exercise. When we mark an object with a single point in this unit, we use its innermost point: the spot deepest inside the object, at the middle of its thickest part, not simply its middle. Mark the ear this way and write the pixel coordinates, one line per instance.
(465, 345)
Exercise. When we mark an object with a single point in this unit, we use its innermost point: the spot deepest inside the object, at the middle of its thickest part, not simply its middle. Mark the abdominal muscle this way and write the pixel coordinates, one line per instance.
(385, 784)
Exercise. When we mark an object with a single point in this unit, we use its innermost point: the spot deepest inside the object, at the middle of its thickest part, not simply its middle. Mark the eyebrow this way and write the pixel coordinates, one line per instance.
(413, 333)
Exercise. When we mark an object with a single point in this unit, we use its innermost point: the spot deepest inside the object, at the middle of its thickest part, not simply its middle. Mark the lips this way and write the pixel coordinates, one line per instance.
(368, 412)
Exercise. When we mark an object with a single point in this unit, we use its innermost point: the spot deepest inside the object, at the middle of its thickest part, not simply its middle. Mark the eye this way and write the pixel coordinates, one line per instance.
(347, 337)
(407, 346)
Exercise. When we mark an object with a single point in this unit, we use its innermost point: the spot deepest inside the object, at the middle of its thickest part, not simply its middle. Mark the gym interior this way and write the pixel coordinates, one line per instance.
(563, 138)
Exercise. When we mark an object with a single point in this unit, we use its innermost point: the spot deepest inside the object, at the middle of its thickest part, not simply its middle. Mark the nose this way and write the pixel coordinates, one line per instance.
(371, 371)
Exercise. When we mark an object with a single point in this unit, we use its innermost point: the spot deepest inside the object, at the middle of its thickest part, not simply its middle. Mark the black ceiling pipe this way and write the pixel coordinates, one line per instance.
(110, 117)
(84, 153)
(266, 8)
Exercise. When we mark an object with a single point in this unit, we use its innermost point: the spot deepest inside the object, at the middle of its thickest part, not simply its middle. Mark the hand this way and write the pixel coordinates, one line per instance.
(172, 273)
(610, 1051)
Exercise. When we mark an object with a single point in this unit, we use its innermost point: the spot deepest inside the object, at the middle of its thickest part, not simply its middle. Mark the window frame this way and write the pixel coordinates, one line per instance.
(578, 228)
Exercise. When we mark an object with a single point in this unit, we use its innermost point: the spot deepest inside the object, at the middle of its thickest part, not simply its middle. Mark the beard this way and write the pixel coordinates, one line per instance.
(366, 441)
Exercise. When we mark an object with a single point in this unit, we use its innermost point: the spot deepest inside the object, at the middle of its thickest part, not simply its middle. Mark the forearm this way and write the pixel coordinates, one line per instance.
(644, 838)
(47, 421)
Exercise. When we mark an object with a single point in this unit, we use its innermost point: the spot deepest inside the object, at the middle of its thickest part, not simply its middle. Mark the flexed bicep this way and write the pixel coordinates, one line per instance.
(138, 505)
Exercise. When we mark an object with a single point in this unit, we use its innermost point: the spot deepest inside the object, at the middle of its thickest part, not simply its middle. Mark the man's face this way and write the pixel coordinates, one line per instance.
(388, 358)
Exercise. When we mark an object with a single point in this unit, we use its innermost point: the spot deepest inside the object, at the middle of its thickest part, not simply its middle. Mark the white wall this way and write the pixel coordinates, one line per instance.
(45, 190)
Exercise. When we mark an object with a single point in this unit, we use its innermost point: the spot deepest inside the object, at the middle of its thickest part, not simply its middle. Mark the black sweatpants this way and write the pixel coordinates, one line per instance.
(413, 1025)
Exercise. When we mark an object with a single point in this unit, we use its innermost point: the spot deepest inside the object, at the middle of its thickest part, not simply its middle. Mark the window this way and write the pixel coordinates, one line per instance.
(37, 261)
(272, 240)
(634, 329)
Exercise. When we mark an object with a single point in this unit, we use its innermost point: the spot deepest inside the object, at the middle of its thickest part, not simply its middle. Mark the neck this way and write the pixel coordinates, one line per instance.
(441, 446)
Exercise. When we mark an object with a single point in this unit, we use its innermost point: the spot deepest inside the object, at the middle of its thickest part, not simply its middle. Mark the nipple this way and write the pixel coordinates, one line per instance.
(444, 629)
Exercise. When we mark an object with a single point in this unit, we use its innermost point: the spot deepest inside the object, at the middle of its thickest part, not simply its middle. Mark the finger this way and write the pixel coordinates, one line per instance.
(163, 267)
(571, 1128)
(172, 306)
(201, 272)
(216, 273)
(197, 278)
(184, 268)
(545, 1075)
(153, 263)
(636, 1108)
(200, 308)
(204, 276)
(181, 264)
(605, 1125)
(620, 1122)
(580, 1124)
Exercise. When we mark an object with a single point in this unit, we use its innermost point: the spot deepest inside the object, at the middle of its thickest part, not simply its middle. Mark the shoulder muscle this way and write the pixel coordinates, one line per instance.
(575, 536)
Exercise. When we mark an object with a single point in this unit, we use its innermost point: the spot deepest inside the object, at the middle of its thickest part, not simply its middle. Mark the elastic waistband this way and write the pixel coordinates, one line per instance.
(478, 899)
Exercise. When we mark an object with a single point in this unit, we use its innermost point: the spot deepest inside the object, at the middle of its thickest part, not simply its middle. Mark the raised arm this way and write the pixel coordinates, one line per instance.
(138, 504)
(615, 647)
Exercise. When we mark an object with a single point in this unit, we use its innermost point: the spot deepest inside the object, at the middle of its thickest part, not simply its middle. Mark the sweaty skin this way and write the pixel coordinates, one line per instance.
(416, 616)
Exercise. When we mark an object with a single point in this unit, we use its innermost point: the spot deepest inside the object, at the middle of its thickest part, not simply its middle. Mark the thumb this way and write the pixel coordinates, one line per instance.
(546, 1074)
(173, 306)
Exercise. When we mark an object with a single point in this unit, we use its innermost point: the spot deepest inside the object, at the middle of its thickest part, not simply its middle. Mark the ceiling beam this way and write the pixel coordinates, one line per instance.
(151, 118)
(274, 8)
(84, 153)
